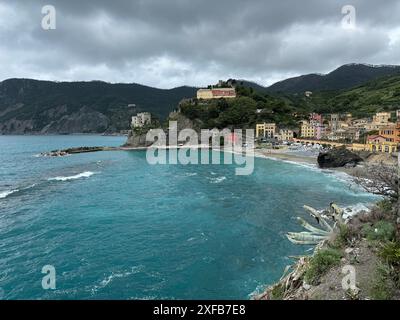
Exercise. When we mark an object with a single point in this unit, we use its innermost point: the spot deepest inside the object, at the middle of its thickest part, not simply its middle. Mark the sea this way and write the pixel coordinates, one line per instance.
(109, 225)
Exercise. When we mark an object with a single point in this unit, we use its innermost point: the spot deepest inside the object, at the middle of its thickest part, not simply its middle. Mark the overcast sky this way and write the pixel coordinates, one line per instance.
(168, 43)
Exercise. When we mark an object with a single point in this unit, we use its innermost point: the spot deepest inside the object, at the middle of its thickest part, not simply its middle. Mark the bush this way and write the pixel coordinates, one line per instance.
(380, 287)
(381, 230)
(344, 236)
(277, 292)
(320, 263)
(390, 252)
(385, 205)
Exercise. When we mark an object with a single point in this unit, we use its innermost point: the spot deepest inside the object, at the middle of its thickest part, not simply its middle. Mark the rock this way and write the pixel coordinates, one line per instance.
(338, 157)
(62, 153)
(306, 286)
(349, 250)
(136, 140)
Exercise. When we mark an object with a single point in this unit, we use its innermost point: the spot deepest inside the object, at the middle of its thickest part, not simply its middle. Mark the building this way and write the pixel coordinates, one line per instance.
(320, 131)
(285, 135)
(307, 130)
(377, 143)
(359, 123)
(348, 118)
(316, 118)
(381, 118)
(334, 124)
(265, 130)
(216, 93)
(141, 119)
(391, 133)
(358, 147)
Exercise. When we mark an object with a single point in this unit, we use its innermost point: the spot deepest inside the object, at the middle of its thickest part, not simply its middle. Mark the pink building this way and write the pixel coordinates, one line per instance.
(315, 117)
(319, 131)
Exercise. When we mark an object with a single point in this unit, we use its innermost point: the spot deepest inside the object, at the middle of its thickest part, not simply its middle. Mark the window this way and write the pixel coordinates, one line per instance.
(386, 148)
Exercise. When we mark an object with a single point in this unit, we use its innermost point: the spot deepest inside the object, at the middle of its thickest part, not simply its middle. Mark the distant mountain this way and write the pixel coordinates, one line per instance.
(344, 77)
(32, 106)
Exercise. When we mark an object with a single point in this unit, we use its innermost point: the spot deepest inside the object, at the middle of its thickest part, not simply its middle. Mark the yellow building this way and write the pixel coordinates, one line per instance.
(358, 147)
(307, 130)
(204, 94)
(265, 130)
(378, 143)
(216, 93)
(285, 135)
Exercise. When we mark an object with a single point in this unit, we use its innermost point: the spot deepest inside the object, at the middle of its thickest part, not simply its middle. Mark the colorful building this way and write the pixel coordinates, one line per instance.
(285, 135)
(307, 130)
(316, 118)
(266, 130)
(391, 133)
(216, 93)
(378, 143)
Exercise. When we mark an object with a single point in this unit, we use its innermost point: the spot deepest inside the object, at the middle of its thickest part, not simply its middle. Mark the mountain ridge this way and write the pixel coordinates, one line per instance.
(344, 77)
(29, 106)
(41, 106)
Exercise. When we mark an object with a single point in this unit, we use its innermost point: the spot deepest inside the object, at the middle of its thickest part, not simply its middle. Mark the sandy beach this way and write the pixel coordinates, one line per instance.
(285, 156)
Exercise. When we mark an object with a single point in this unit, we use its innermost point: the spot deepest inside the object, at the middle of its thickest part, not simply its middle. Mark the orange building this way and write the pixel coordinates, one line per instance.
(391, 133)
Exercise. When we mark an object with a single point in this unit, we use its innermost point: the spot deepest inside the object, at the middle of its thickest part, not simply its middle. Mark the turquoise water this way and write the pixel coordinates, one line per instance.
(115, 227)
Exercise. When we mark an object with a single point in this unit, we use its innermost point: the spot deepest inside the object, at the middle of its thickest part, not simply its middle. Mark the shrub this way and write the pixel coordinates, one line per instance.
(344, 236)
(382, 230)
(385, 205)
(277, 292)
(380, 287)
(390, 252)
(320, 263)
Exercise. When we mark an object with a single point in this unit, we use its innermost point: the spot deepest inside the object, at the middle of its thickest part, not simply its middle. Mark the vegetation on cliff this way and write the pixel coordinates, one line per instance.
(366, 245)
(250, 107)
(32, 106)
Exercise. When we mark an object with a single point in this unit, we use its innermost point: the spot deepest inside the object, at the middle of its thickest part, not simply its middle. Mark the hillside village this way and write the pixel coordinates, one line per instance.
(379, 133)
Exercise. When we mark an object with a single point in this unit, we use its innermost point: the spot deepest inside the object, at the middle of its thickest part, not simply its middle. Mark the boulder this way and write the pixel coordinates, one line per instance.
(137, 140)
(338, 157)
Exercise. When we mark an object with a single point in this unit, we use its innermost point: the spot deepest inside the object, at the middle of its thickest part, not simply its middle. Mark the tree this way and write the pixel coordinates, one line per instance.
(382, 179)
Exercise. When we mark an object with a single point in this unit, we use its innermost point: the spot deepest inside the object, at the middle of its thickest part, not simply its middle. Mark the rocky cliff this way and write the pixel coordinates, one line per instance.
(44, 107)
(338, 157)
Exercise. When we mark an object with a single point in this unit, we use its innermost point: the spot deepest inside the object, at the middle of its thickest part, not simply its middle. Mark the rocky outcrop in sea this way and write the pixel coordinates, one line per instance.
(338, 157)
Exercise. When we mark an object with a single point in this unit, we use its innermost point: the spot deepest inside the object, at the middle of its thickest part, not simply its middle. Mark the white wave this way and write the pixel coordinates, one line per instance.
(5, 194)
(85, 174)
(190, 174)
(114, 275)
(356, 209)
(218, 180)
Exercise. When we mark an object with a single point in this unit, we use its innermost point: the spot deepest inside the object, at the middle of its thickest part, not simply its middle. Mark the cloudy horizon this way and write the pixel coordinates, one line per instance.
(169, 43)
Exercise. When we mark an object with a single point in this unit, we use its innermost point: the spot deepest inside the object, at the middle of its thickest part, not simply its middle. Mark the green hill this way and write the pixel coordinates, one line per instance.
(32, 106)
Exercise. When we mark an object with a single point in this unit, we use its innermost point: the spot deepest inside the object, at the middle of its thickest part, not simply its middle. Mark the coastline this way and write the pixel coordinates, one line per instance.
(285, 156)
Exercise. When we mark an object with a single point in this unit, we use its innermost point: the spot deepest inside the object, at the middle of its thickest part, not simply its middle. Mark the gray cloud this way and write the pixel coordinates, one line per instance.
(167, 43)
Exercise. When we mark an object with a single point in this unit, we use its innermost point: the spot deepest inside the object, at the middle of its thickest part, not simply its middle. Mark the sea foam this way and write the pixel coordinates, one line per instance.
(85, 174)
(5, 194)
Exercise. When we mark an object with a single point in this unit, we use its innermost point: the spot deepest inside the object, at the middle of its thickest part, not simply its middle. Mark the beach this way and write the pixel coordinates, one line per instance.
(286, 155)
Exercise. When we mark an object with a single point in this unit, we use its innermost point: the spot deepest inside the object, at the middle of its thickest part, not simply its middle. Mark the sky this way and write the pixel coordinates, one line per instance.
(169, 43)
